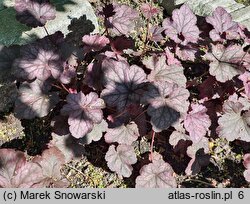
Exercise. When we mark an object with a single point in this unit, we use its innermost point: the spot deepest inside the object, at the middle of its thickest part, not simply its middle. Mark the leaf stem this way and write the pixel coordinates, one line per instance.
(152, 146)
(65, 88)
(199, 181)
(46, 30)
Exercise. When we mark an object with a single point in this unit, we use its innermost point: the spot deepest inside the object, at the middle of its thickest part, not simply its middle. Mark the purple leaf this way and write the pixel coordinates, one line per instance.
(234, 124)
(177, 135)
(94, 42)
(120, 159)
(69, 146)
(158, 174)
(51, 162)
(224, 61)
(245, 78)
(186, 53)
(182, 29)
(246, 161)
(202, 144)
(15, 172)
(35, 100)
(96, 133)
(223, 24)
(124, 84)
(124, 134)
(39, 60)
(34, 12)
(149, 10)
(84, 112)
(124, 20)
(154, 33)
(167, 104)
(247, 175)
(171, 59)
(197, 122)
(69, 70)
(161, 72)
(27, 176)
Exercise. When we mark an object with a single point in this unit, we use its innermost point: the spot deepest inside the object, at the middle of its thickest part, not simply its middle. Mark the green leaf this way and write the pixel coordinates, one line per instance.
(11, 30)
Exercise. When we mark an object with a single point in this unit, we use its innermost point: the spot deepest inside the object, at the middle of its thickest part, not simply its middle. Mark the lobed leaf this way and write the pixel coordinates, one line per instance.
(124, 84)
(182, 29)
(124, 134)
(123, 21)
(167, 103)
(161, 72)
(120, 159)
(84, 111)
(225, 61)
(16, 172)
(222, 22)
(35, 100)
(94, 42)
(197, 122)
(234, 124)
(158, 174)
(34, 12)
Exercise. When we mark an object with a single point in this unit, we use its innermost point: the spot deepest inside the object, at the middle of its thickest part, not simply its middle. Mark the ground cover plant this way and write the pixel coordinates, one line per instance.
(179, 84)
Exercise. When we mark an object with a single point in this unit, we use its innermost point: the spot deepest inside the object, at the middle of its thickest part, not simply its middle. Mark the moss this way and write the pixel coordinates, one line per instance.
(83, 174)
(10, 128)
(245, 2)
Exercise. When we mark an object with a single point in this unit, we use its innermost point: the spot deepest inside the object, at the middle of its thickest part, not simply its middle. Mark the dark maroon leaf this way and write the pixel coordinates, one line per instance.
(60, 125)
(121, 43)
(7, 57)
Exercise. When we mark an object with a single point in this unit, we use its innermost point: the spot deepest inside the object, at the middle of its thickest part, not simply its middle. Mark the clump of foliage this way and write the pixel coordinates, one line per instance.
(188, 82)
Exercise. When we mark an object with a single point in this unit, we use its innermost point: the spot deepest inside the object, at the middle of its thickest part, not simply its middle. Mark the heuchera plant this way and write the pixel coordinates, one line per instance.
(125, 92)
